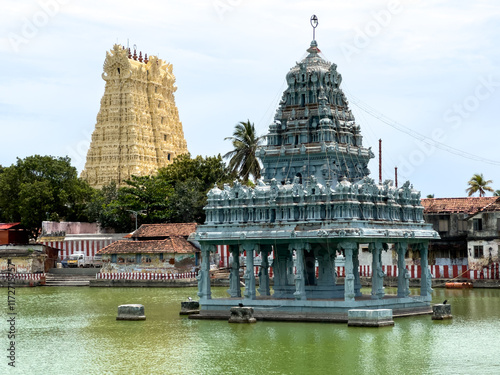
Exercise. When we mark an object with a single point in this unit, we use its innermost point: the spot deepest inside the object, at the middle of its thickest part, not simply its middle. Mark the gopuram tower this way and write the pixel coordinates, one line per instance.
(138, 129)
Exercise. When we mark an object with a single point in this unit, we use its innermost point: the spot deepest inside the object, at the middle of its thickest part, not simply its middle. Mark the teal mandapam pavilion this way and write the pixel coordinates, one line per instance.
(315, 198)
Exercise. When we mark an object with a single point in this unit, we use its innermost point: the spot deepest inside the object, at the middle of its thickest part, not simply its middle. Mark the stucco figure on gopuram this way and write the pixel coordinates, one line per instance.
(138, 129)
(314, 202)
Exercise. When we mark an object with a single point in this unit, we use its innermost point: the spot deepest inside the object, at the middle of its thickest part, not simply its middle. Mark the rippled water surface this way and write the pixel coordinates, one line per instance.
(73, 330)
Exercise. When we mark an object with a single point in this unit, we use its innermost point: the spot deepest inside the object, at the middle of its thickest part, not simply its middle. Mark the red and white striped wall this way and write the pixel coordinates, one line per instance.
(438, 272)
(88, 247)
(22, 276)
(144, 276)
(224, 255)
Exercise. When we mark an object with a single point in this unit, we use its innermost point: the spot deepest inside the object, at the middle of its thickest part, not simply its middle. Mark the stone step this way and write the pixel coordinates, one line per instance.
(67, 283)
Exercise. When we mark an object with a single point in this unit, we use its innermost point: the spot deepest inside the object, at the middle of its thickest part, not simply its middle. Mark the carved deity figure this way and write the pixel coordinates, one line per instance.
(407, 283)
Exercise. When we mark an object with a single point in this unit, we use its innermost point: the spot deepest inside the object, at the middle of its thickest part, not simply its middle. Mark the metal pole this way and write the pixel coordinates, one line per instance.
(380, 161)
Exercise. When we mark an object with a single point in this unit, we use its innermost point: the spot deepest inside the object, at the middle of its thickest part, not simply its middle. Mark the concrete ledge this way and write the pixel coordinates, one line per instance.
(370, 318)
(131, 312)
(242, 314)
(441, 312)
(75, 271)
(190, 307)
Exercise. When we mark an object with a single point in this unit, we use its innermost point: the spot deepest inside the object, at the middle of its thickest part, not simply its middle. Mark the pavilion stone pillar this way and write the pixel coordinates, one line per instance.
(203, 276)
(249, 276)
(403, 273)
(264, 289)
(234, 274)
(426, 278)
(377, 273)
(280, 269)
(349, 248)
(300, 282)
(326, 266)
(355, 267)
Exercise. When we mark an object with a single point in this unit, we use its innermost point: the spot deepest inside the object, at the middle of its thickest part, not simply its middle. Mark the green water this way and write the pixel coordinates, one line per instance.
(71, 330)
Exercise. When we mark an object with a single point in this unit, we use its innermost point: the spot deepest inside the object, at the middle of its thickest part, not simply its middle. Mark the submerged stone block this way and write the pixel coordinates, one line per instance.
(190, 307)
(242, 315)
(441, 311)
(370, 318)
(131, 312)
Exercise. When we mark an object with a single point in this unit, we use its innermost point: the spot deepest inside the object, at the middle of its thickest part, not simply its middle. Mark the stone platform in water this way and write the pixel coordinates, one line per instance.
(370, 318)
(190, 307)
(131, 312)
(267, 310)
(441, 312)
(241, 315)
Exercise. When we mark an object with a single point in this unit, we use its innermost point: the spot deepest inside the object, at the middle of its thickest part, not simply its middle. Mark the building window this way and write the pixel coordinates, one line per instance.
(477, 224)
(498, 225)
(164, 137)
(443, 225)
(478, 252)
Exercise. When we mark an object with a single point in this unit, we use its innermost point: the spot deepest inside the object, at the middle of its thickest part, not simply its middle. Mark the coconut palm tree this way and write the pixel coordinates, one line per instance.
(245, 142)
(478, 184)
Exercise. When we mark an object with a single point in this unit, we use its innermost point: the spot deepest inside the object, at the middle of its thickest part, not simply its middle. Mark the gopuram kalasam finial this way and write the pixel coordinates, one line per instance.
(314, 24)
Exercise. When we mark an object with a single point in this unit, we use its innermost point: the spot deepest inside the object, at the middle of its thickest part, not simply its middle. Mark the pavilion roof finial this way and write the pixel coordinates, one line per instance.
(314, 24)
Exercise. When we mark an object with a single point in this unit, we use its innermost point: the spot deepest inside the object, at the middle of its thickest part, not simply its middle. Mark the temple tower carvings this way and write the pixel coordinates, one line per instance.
(138, 129)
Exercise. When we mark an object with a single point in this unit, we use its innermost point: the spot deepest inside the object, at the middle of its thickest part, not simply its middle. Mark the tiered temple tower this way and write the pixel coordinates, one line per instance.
(314, 131)
(314, 201)
(138, 129)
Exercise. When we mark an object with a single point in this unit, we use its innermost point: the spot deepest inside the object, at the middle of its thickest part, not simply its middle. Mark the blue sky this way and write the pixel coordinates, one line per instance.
(430, 66)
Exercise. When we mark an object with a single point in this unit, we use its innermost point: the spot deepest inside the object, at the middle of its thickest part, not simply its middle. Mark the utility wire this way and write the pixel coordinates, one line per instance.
(386, 120)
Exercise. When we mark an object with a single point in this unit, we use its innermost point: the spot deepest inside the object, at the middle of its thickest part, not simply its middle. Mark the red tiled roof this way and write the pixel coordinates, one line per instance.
(5, 226)
(177, 245)
(492, 207)
(164, 230)
(469, 205)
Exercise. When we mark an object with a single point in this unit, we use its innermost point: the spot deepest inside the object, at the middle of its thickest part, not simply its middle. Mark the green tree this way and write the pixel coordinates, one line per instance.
(478, 184)
(191, 179)
(40, 188)
(497, 193)
(105, 208)
(430, 196)
(177, 193)
(243, 159)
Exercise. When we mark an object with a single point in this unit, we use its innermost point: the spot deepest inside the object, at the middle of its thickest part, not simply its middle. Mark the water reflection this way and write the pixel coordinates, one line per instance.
(74, 331)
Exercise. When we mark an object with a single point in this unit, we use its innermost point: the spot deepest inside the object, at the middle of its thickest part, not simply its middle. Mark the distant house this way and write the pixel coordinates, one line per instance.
(483, 238)
(456, 222)
(27, 258)
(13, 233)
(160, 248)
(17, 254)
(76, 237)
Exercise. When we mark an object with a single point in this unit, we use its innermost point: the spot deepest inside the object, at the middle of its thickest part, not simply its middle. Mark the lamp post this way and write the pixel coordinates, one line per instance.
(135, 214)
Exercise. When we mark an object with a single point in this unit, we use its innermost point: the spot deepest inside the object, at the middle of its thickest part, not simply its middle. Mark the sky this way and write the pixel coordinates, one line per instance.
(423, 76)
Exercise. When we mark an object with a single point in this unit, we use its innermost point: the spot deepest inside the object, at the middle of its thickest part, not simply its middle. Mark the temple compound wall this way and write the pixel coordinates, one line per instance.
(138, 129)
